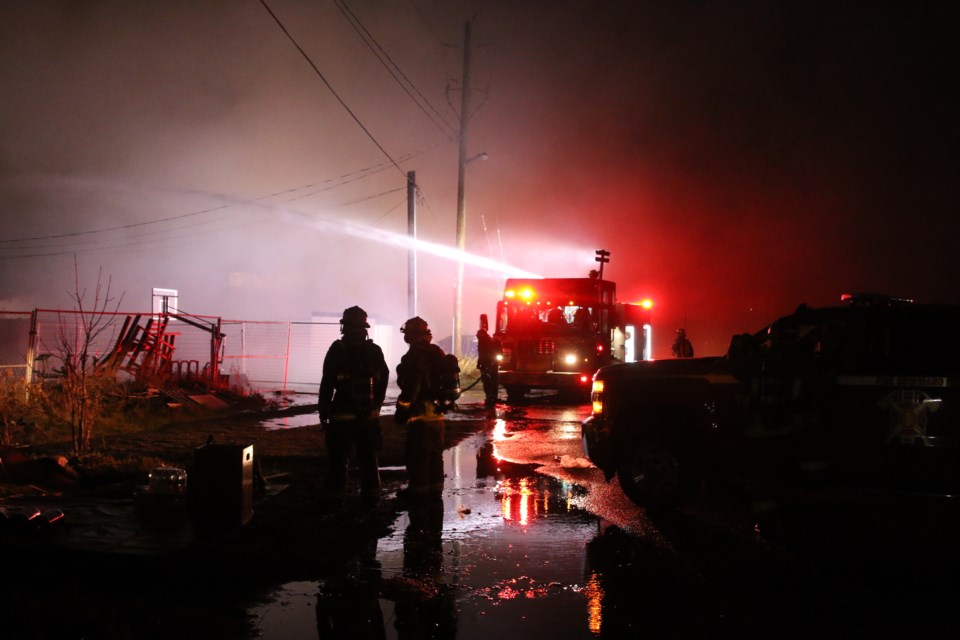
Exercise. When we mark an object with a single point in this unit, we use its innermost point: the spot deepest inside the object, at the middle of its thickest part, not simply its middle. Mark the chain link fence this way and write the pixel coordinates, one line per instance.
(260, 356)
(14, 338)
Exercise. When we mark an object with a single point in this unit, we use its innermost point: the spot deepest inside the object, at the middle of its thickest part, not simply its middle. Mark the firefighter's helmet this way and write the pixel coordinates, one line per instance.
(354, 317)
(415, 326)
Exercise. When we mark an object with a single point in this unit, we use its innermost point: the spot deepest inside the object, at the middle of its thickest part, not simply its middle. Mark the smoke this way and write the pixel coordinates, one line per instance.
(736, 160)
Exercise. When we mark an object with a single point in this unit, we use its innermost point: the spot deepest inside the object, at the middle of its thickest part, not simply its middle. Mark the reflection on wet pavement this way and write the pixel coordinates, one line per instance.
(526, 540)
(291, 422)
(503, 551)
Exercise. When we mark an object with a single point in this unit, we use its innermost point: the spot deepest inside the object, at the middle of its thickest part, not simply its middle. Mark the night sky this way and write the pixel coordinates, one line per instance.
(736, 158)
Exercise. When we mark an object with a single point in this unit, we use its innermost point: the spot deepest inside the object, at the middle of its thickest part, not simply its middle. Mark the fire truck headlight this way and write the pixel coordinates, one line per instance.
(499, 357)
(570, 359)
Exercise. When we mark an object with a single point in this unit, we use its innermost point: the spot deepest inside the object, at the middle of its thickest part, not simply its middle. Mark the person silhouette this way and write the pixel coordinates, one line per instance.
(681, 346)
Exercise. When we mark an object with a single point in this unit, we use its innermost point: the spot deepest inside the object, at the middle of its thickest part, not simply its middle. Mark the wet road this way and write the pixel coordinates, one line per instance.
(530, 539)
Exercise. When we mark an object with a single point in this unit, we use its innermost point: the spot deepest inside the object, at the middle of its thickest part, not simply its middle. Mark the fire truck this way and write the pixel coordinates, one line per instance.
(556, 332)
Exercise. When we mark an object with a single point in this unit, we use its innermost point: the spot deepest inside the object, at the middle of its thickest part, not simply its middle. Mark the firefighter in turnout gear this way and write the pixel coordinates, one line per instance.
(352, 390)
(429, 384)
(488, 349)
(681, 346)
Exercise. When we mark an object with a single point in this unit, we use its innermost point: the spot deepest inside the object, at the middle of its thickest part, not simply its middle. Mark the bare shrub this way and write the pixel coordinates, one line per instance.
(21, 408)
(84, 386)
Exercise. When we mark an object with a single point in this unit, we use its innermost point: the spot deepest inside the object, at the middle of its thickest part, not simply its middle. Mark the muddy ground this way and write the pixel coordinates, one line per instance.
(201, 589)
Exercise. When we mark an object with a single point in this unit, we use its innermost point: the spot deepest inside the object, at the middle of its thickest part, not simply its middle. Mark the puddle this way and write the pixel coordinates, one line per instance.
(291, 422)
(510, 550)
(310, 418)
(502, 552)
(293, 613)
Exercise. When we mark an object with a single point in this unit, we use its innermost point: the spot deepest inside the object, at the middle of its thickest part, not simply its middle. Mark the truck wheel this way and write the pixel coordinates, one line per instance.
(655, 475)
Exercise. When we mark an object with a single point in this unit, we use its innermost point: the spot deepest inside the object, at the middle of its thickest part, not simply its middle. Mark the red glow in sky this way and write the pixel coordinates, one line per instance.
(736, 160)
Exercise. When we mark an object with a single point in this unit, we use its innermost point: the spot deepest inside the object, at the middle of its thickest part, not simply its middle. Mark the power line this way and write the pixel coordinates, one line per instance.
(329, 86)
(353, 176)
(114, 246)
(120, 227)
(332, 183)
(144, 234)
(141, 239)
(391, 209)
(372, 171)
(393, 69)
(365, 198)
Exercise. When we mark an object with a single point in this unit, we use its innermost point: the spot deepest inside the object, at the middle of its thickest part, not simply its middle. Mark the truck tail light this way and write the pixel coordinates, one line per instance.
(596, 397)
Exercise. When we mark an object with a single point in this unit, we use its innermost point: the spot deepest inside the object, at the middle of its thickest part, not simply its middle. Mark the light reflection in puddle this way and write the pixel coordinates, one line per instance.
(503, 552)
(295, 421)
(310, 418)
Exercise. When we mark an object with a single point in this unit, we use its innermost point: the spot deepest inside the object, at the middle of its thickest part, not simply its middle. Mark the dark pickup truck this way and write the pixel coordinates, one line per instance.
(862, 396)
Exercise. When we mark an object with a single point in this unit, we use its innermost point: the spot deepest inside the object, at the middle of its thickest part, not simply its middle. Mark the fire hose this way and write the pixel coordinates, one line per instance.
(472, 384)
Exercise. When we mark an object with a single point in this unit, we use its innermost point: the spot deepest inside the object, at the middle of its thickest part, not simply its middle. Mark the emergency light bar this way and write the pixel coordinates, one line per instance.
(526, 293)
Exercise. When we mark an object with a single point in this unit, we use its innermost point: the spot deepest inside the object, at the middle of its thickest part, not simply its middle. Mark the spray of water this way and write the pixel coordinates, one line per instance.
(406, 242)
(207, 215)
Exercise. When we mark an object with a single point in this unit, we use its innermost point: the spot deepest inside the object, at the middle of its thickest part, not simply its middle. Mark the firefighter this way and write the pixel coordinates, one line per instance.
(487, 351)
(352, 390)
(555, 317)
(681, 346)
(582, 320)
(420, 406)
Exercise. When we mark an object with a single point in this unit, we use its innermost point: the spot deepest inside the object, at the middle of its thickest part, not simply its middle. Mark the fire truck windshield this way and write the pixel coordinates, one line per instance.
(555, 319)
(564, 306)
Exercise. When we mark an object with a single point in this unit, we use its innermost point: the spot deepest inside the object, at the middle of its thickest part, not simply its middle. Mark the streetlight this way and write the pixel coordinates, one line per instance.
(461, 246)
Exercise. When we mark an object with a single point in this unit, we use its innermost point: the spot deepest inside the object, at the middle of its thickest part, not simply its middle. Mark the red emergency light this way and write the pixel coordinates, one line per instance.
(526, 293)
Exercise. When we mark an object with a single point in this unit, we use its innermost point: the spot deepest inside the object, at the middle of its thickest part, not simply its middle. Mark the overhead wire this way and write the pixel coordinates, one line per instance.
(353, 176)
(141, 234)
(498, 278)
(118, 227)
(142, 239)
(337, 96)
(394, 69)
(383, 166)
(331, 183)
(365, 198)
(390, 210)
(113, 246)
(329, 86)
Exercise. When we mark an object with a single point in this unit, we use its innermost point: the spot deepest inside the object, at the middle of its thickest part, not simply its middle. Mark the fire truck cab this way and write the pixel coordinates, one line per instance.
(556, 332)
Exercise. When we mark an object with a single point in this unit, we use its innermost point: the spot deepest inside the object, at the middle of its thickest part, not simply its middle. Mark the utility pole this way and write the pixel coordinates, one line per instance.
(412, 250)
(461, 203)
(603, 257)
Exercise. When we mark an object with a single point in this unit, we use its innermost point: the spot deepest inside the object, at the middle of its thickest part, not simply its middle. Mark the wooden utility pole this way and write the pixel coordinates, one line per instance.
(461, 199)
(412, 250)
